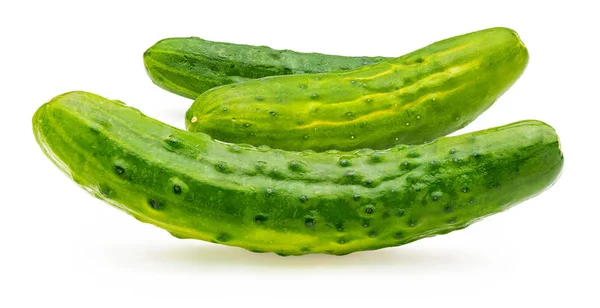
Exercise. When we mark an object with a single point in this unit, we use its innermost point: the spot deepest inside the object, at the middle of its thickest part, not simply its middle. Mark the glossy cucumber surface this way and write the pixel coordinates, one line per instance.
(292, 203)
(412, 99)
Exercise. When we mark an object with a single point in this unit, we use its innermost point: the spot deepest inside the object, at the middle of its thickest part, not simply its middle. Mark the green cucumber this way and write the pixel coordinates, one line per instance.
(292, 203)
(413, 99)
(190, 66)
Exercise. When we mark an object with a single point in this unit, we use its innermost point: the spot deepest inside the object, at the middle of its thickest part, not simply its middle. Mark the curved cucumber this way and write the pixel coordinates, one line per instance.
(292, 203)
(190, 66)
(413, 99)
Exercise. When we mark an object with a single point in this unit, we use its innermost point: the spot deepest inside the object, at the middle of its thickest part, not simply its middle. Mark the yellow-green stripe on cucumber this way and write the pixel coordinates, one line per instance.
(412, 99)
(292, 203)
(189, 66)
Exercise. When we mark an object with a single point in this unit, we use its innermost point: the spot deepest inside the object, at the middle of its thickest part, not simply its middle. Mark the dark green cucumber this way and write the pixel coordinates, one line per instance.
(413, 99)
(292, 203)
(189, 66)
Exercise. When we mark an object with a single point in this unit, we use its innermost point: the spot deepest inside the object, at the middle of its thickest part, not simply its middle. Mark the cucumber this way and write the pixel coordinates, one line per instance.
(292, 203)
(190, 66)
(413, 99)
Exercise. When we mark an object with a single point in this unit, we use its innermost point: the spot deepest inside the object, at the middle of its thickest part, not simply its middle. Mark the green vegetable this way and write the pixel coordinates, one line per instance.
(416, 98)
(292, 203)
(190, 66)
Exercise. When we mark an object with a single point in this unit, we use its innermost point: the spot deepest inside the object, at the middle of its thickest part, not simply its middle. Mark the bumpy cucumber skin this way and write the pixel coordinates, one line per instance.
(292, 203)
(190, 66)
(413, 99)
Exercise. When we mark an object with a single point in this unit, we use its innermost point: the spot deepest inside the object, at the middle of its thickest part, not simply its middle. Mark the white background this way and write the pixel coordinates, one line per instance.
(61, 247)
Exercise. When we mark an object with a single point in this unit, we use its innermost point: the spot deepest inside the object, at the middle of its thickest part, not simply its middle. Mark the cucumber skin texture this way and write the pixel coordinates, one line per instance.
(292, 203)
(190, 66)
(415, 98)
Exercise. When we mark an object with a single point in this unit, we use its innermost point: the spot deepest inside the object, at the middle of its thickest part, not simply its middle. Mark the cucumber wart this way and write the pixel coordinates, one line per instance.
(412, 99)
(292, 203)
